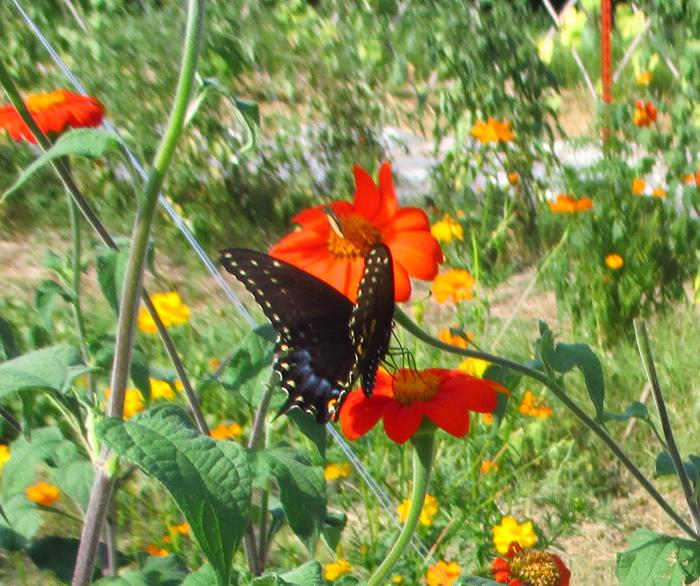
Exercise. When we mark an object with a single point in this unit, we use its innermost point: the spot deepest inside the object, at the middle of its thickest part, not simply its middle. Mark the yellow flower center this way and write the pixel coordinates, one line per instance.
(410, 386)
(38, 102)
(358, 237)
(536, 568)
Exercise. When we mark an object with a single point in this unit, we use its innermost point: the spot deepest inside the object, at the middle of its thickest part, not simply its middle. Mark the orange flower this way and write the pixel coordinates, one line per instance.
(659, 192)
(513, 178)
(568, 204)
(492, 131)
(638, 186)
(614, 261)
(444, 396)
(645, 77)
(644, 114)
(374, 216)
(455, 284)
(529, 566)
(53, 112)
(443, 574)
(224, 431)
(455, 337)
(534, 406)
(487, 466)
(133, 401)
(43, 493)
(153, 550)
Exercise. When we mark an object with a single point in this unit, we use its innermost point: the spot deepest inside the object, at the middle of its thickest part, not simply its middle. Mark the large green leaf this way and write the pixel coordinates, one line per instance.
(84, 142)
(249, 370)
(318, 435)
(209, 480)
(51, 368)
(564, 357)
(22, 523)
(302, 491)
(653, 559)
(205, 576)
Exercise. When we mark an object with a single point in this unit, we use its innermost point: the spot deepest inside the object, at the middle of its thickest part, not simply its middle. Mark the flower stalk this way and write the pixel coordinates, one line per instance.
(561, 394)
(423, 450)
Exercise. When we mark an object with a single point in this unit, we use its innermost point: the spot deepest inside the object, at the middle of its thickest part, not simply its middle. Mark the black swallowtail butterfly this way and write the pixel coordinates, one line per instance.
(325, 341)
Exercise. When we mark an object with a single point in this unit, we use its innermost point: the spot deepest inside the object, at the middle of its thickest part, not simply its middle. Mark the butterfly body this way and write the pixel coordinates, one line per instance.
(324, 340)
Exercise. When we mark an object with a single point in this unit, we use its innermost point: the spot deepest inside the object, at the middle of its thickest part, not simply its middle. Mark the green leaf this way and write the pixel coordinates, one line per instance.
(20, 470)
(209, 480)
(22, 523)
(110, 267)
(564, 357)
(249, 370)
(8, 348)
(309, 574)
(302, 491)
(51, 368)
(653, 559)
(205, 576)
(307, 424)
(634, 410)
(84, 142)
(665, 467)
(45, 297)
(333, 528)
(74, 478)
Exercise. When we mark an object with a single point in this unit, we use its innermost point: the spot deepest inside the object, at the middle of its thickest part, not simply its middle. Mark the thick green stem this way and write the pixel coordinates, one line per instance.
(133, 279)
(423, 450)
(560, 393)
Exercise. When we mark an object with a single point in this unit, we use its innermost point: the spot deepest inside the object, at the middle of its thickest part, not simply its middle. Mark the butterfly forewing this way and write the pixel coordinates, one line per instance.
(372, 315)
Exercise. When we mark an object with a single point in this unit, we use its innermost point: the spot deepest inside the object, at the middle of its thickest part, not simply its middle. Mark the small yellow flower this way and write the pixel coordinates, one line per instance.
(227, 431)
(534, 406)
(474, 366)
(43, 493)
(455, 285)
(645, 77)
(487, 466)
(461, 341)
(513, 178)
(183, 528)
(443, 574)
(614, 261)
(133, 401)
(336, 471)
(398, 580)
(153, 550)
(659, 192)
(447, 229)
(4, 455)
(510, 530)
(161, 389)
(214, 364)
(487, 418)
(492, 131)
(429, 510)
(334, 570)
(638, 186)
(170, 308)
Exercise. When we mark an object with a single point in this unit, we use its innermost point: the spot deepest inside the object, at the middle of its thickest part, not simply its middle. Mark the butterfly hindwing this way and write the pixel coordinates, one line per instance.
(372, 315)
(313, 353)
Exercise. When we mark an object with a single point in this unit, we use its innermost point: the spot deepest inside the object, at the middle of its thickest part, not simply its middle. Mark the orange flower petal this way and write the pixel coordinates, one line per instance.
(389, 203)
(442, 412)
(402, 421)
(368, 200)
(406, 219)
(359, 414)
(472, 393)
(418, 252)
(302, 239)
(402, 284)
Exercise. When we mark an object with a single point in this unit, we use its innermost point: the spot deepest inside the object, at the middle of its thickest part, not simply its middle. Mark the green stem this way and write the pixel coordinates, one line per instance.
(644, 346)
(133, 280)
(560, 393)
(423, 449)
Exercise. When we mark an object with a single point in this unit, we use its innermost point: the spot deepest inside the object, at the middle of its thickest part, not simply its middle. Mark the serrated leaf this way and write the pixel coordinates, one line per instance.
(8, 348)
(302, 491)
(653, 559)
(83, 142)
(51, 368)
(665, 467)
(209, 480)
(110, 267)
